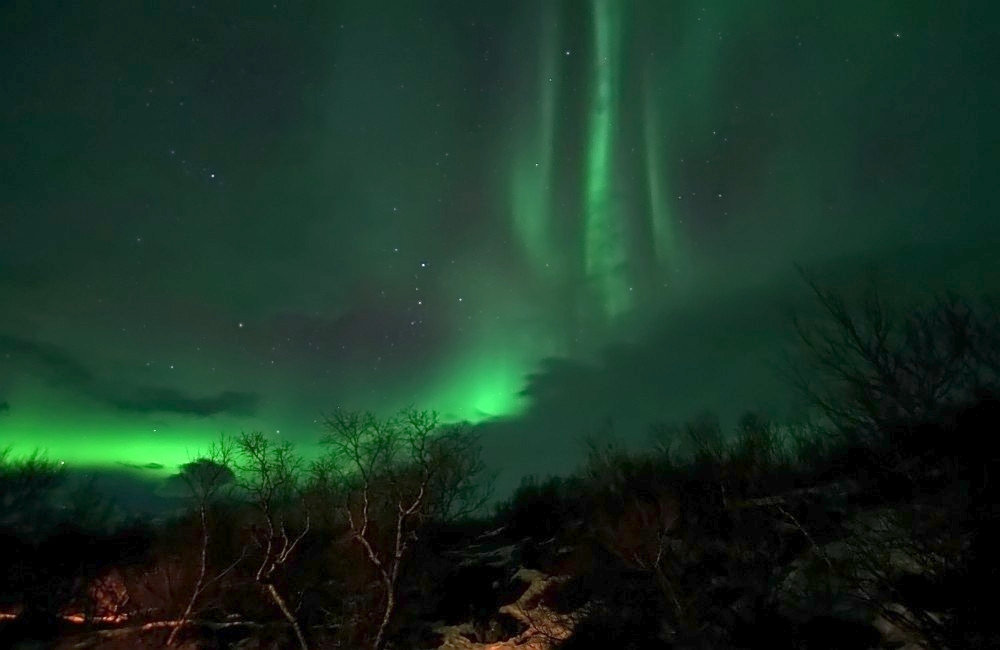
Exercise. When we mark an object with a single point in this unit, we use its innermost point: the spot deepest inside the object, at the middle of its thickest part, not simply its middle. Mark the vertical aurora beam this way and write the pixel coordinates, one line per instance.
(664, 236)
(606, 250)
(531, 177)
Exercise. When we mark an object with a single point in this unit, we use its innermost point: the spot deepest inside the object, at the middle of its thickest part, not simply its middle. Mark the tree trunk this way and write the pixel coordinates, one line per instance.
(280, 602)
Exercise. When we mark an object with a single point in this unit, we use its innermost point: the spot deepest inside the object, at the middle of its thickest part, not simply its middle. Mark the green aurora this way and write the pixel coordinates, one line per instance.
(221, 220)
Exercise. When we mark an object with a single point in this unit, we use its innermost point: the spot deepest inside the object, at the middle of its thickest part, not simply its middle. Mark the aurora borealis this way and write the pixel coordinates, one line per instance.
(534, 216)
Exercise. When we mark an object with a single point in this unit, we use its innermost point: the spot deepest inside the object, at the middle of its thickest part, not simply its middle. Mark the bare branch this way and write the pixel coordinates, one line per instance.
(394, 474)
(205, 478)
(270, 473)
(866, 367)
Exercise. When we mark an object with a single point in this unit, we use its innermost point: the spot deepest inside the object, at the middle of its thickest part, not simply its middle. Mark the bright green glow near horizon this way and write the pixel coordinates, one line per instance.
(84, 435)
(605, 246)
(105, 443)
(532, 173)
(472, 389)
(482, 383)
(480, 390)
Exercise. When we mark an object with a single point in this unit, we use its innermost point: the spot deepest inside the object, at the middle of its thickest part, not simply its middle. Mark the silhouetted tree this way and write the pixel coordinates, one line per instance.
(904, 385)
(865, 366)
(26, 486)
(205, 479)
(392, 475)
(270, 475)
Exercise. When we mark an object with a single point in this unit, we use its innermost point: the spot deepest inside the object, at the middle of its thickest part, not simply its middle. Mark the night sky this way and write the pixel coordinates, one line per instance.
(537, 216)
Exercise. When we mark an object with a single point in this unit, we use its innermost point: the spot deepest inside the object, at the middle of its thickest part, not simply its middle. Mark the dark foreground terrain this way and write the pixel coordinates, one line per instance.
(874, 528)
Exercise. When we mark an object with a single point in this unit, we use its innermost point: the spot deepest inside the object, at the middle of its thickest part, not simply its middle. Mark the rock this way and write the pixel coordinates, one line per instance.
(892, 625)
(544, 628)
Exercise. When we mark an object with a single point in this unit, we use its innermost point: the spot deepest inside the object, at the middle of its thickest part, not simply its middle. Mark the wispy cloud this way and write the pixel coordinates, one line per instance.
(61, 368)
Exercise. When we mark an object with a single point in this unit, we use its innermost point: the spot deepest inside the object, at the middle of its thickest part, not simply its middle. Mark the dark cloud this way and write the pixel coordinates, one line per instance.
(151, 466)
(169, 400)
(198, 474)
(60, 368)
(52, 362)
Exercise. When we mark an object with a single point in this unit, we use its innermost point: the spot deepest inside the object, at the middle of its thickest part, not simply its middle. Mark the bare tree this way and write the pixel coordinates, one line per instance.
(205, 478)
(25, 487)
(633, 518)
(864, 366)
(270, 475)
(394, 474)
(457, 485)
(903, 381)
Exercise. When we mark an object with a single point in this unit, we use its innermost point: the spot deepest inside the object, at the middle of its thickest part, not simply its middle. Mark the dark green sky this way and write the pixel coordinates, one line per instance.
(236, 215)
